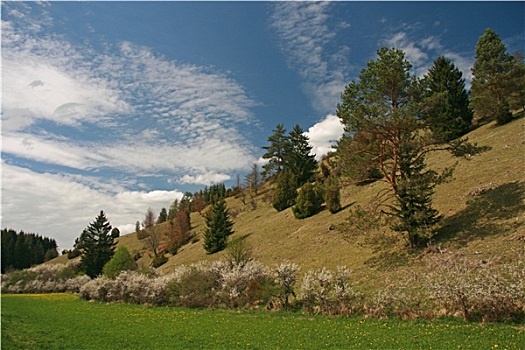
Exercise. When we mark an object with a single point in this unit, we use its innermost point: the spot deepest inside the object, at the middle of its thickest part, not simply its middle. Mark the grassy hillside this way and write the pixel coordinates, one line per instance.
(483, 207)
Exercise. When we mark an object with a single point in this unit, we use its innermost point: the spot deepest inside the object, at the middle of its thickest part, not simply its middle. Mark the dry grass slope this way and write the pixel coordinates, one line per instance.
(483, 205)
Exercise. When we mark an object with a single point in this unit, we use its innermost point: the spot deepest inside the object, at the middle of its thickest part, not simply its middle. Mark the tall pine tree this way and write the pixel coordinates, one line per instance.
(298, 158)
(451, 116)
(218, 228)
(275, 152)
(497, 80)
(97, 246)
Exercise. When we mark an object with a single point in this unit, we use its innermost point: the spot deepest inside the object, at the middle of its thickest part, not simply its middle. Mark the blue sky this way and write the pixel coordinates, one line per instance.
(121, 106)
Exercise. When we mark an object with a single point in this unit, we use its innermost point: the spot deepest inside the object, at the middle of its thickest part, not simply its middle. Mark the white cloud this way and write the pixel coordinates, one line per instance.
(61, 206)
(99, 121)
(205, 179)
(160, 114)
(324, 134)
(305, 34)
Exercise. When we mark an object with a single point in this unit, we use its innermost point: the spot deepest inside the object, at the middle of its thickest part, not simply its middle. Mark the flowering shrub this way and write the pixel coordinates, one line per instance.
(43, 278)
(285, 278)
(405, 299)
(330, 293)
(479, 290)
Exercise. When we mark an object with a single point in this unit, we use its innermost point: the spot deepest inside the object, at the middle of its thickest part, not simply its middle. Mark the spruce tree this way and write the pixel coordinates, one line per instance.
(275, 152)
(97, 246)
(218, 228)
(497, 78)
(298, 157)
(451, 116)
(163, 216)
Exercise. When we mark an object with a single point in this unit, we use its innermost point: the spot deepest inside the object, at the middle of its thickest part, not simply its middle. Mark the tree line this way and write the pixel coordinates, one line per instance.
(21, 250)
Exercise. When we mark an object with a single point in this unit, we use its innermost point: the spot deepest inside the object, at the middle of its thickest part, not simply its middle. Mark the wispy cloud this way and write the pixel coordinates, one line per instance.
(194, 113)
(124, 110)
(305, 34)
(422, 52)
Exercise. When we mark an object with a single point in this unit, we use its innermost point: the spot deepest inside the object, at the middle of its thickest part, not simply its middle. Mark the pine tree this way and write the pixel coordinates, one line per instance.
(218, 228)
(451, 116)
(309, 201)
(497, 78)
(275, 152)
(163, 216)
(97, 246)
(285, 191)
(386, 105)
(298, 157)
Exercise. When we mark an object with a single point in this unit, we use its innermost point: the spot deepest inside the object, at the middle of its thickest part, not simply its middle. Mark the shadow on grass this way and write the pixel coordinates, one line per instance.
(487, 214)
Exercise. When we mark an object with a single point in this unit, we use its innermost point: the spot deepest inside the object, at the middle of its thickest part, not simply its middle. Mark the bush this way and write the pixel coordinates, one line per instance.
(121, 261)
(329, 293)
(332, 196)
(159, 260)
(43, 278)
(479, 290)
(309, 201)
(285, 278)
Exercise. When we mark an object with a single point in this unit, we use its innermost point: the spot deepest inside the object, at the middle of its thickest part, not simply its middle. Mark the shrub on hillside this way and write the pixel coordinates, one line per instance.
(43, 278)
(479, 290)
(309, 201)
(121, 261)
(327, 292)
(285, 278)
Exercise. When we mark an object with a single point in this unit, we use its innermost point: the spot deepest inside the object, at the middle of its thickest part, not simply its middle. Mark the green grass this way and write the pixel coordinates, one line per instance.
(62, 321)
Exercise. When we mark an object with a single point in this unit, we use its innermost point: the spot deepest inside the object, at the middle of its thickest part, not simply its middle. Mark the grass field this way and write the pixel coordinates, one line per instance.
(62, 321)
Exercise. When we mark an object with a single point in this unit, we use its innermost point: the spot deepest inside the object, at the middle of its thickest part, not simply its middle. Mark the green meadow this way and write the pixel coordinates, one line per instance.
(63, 321)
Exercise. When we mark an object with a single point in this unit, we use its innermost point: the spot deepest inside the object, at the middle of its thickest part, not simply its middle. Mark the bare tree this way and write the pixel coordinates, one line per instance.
(149, 219)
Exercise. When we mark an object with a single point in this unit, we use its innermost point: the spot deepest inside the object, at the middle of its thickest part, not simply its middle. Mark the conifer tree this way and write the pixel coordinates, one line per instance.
(163, 216)
(275, 152)
(386, 105)
(97, 246)
(451, 116)
(218, 228)
(497, 80)
(298, 157)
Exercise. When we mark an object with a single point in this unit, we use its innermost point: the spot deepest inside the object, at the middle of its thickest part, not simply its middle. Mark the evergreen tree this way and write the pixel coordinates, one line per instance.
(298, 157)
(497, 80)
(451, 116)
(275, 152)
(218, 228)
(97, 246)
(163, 216)
(415, 188)
(285, 191)
(309, 201)
(386, 105)
(137, 226)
